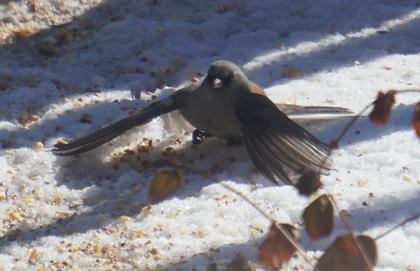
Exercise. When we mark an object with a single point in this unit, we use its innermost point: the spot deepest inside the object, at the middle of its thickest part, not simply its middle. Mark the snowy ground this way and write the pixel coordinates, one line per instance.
(92, 212)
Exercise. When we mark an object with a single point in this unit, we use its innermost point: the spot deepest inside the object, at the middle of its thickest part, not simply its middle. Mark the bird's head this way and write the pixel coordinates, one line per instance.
(222, 74)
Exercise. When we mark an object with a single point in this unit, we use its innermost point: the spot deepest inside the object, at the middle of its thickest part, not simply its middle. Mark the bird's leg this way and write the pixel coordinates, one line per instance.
(234, 141)
(198, 136)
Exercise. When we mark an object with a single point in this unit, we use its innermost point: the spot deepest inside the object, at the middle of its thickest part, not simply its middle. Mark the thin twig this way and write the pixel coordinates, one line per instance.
(405, 221)
(346, 128)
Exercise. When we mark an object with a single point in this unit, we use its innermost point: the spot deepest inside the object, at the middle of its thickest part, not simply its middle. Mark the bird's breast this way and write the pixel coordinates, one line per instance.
(212, 112)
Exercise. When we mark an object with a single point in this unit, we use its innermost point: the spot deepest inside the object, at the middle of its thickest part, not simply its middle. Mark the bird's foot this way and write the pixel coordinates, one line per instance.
(198, 136)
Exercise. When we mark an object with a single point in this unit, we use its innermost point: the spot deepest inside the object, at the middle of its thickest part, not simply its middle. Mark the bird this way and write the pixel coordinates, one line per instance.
(227, 105)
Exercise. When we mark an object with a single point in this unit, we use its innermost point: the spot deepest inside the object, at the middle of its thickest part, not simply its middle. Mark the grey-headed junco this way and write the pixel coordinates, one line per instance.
(228, 105)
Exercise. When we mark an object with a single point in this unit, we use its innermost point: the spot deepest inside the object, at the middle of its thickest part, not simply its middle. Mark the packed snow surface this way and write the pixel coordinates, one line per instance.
(70, 67)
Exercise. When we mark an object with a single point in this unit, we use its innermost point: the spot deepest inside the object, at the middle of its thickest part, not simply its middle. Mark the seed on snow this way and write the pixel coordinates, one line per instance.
(124, 218)
(38, 146)
(14, 216)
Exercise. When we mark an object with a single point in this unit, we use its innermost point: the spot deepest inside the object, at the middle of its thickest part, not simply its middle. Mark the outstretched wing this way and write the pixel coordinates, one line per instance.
(275, 142)
(109, 132)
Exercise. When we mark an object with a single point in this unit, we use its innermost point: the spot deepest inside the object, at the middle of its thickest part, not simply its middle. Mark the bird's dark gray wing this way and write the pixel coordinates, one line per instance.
(275, 142)
(107, 133)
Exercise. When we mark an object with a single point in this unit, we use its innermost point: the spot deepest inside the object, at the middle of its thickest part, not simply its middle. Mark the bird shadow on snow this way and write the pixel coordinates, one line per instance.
(121, 187)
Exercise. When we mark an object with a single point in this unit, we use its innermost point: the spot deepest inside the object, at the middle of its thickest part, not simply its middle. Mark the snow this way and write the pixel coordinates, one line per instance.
(69, 210)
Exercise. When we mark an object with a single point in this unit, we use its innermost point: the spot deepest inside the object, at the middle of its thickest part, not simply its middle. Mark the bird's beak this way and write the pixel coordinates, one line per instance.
(216, 83)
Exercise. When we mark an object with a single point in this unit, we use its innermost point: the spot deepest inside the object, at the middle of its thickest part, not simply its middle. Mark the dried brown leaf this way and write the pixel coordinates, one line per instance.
(344, 254)
(165, 183)
(382, 109)
(319, 217)
(277, 249)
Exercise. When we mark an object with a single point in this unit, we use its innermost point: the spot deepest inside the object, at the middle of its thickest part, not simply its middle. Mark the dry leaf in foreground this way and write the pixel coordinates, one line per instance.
(277, 249)
(344, 254)
(319, 217)
(164, 184)
(382, 109)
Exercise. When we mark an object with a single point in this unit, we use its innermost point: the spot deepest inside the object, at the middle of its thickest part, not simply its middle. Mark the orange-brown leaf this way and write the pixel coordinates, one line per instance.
(344, 254)
(165, 183)
(382, 109)
(319, 218)
(277, 249)
(416, 119)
